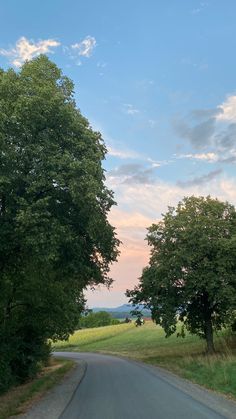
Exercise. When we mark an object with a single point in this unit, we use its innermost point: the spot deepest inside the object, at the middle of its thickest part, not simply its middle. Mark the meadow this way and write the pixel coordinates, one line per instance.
(185, 357)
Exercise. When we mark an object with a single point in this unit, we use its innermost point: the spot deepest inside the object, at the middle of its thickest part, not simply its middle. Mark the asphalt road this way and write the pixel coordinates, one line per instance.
(115, 388)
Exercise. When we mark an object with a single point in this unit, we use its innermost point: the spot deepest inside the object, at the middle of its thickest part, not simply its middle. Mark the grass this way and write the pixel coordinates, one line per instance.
(86, 337)
(185, 357)
(19, 398)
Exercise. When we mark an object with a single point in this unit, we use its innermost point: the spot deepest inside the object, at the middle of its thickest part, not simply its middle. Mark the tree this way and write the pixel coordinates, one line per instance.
(191, 274)
(55, 239)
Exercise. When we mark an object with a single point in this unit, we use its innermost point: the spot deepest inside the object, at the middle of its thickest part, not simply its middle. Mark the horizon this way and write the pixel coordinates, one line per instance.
(112, 306)
(159, 83)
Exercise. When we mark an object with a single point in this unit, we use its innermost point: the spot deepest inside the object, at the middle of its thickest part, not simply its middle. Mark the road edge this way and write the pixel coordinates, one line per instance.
(55, 401)
(213, 400)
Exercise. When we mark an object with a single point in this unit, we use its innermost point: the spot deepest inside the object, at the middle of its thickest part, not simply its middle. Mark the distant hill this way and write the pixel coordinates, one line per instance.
(122, 311)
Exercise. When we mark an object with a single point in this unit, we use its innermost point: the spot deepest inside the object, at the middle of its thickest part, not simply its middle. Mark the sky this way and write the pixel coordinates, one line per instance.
(158, 80)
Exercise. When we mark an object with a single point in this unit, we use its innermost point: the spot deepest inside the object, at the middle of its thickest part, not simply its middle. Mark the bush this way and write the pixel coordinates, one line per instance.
(114, 321)
(29, 358)
(22, 357)
(6, 377)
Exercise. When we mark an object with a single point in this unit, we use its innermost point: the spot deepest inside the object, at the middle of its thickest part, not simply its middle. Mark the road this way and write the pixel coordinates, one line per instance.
(115, 388)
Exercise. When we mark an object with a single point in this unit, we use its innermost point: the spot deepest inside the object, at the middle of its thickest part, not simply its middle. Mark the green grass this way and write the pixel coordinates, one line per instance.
(185, 357)
(19, 398)
(88, 337)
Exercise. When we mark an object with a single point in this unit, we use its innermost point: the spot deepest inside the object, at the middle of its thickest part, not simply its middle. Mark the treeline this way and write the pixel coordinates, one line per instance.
(55, 238)
(99, 319)
(127, 314)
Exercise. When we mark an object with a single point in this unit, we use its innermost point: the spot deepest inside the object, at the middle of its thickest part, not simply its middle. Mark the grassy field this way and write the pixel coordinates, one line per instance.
(185, 357)
(19, 398)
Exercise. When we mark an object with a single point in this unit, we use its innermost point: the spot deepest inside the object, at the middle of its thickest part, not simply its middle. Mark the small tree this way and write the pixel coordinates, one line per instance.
(191, 275)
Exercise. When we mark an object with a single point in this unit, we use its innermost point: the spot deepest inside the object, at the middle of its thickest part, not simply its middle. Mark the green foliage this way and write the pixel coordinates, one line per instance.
(55, 239)
(101, 318)
(192, 270)
(5, 373)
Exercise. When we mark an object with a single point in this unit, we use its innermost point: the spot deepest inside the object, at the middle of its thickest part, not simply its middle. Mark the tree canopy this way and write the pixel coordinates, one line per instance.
(55, 238)
(191, 274)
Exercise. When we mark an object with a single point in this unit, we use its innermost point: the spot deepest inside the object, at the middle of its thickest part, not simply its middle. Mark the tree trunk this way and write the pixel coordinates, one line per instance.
(209, 336)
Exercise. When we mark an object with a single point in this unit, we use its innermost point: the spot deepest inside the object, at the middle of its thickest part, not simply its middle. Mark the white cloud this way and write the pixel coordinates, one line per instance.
(122, 154)
(227, 110)
(129, 109)
(85, 48)
(208, 157)
(27, 49)
(159, 163)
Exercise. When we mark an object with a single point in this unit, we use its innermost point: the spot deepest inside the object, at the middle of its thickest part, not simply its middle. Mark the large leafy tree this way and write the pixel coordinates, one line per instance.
(191, 275)
(55, 238)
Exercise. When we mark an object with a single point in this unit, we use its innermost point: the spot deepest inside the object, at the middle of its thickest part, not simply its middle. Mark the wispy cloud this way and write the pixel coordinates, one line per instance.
(159, 163)
(26, 49)
(85, 47)
(200, 180)
(152, 123)
(207, 157)
(123, 154)
(201, 66)
(101, 64)
(200, 8)
(130, 109)
(133, 173)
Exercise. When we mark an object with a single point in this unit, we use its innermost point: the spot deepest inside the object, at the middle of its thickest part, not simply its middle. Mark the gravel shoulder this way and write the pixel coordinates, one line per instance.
(53, 403)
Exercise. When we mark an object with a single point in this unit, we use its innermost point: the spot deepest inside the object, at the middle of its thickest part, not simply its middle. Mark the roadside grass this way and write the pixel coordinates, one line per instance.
(185, 357)
(19, 398)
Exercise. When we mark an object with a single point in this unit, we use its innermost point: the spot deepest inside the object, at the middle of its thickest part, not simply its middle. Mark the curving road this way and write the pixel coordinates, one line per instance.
(115, 388)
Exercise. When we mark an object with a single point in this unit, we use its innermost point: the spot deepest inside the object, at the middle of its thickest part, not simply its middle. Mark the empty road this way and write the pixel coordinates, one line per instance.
(115, 388)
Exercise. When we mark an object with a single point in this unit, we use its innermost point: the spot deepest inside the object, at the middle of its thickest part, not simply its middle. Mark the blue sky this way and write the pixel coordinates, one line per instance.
(157, 78)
